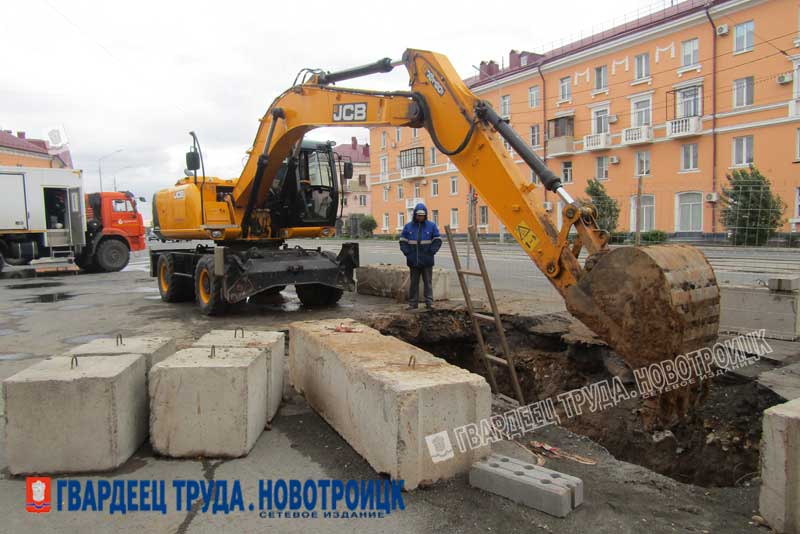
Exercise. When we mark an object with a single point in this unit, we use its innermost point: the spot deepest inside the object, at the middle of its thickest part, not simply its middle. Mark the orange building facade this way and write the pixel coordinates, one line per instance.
(676, 101)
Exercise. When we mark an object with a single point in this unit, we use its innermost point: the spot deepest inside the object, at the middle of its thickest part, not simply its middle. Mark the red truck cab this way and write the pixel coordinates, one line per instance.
(114, 229)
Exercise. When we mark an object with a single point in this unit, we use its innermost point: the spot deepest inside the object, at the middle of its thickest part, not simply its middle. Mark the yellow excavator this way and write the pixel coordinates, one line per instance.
(649, 304)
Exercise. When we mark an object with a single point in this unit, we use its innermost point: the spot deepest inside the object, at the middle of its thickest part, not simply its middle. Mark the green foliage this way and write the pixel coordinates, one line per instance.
(653, 236)
(367, 224)
(607, 207)
(750, 210)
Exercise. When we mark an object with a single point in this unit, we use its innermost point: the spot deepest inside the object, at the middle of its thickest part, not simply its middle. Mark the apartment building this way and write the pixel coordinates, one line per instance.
(675, 100)
(356, 190)
(21, 151)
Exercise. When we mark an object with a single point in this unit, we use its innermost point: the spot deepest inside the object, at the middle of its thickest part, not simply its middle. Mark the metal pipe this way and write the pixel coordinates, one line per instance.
(382, 65)
(713, 119)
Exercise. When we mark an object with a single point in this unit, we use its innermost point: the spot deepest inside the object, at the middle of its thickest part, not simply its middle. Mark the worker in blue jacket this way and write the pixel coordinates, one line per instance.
(420, 241)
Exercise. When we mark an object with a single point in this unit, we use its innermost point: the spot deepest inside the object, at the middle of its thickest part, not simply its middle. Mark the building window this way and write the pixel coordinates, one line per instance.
(643, 163)
(743, 150)
(417, 189)
(432, 158)
(435, 215)
(362, 200)
(400, 192)
(743, 92)
(566, 172)
(564, 92)
(743, 37)
(397, 135)
(414, 133)
(688, 102)
(401, 219)
(397, 162)
(453, 217)
(385, 221)
(533, 96)
(689, 157)
(413, 157)
(535, 138)
(601, 168)
(641, 66)
(535, 177)
(454, 185)
(690, 52)
(386, 194)
(362, 180)
(383, 139)
(505, 105)
(562, 126)
(600, 121)
(648, 213)
(601, 78)
(508, 147)
(641, 112)
(435, 187)
(797, 145)
(483, 215)
(689, 212)
(384, 167)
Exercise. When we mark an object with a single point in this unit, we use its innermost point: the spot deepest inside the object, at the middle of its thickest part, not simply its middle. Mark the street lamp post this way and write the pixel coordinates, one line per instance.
(100, 165)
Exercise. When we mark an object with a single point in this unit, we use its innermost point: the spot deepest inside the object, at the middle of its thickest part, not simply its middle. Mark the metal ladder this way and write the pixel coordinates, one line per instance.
(477, 318)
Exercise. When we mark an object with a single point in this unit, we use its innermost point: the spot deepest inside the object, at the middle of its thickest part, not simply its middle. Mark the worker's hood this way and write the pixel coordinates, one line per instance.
(420, 207)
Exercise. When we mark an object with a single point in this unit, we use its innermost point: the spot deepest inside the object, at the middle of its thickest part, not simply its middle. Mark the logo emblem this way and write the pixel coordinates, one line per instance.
(350, 112)
(37, 494)
(434, 82)
(439, 446)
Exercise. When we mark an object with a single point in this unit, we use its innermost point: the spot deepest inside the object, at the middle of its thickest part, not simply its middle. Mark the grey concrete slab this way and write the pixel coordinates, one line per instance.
(784, 381)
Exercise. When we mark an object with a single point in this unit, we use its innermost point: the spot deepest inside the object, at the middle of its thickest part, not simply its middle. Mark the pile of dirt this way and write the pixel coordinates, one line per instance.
(716, 445)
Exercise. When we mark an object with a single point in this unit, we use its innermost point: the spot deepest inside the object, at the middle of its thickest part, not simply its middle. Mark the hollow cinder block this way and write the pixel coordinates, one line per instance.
(92, 417)
(274, 346)
(208, 406)
(534, 486)
(153, 348)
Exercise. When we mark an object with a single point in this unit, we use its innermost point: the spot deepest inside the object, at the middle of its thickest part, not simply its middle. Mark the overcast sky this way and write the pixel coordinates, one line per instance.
(138, 76)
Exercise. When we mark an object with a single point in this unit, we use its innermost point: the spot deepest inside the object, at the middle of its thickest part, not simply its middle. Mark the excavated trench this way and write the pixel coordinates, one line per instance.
(716, 445)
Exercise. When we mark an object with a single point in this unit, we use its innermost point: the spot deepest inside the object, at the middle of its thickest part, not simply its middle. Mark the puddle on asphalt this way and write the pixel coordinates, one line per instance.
(36, 285)
(80, 340)
(17, 356)
(47, 297)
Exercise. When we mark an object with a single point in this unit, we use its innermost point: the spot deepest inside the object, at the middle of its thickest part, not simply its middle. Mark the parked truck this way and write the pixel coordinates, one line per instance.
(47, 220)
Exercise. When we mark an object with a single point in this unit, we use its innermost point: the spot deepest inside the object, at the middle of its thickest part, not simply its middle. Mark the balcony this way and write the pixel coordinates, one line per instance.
(561, 146)
(411, 203)
(412, 172)
(685, 127)
(637, 135)
(600, 141)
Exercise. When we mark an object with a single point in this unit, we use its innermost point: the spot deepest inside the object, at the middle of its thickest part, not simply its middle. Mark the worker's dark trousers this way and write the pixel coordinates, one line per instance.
(413, 288)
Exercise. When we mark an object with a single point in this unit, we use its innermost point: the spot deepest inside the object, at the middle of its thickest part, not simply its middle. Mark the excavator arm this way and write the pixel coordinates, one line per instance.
(649, 304)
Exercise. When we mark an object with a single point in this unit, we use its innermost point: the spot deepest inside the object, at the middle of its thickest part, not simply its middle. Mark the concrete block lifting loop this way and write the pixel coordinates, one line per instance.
(73, 362)
(213, 352)
(236, 331)
(120, 341)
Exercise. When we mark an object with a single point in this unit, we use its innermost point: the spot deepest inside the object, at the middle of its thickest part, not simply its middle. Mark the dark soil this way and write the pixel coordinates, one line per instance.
(716, 445)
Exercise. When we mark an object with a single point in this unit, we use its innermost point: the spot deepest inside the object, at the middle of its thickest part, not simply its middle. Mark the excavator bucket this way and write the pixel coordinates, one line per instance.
(651, 304)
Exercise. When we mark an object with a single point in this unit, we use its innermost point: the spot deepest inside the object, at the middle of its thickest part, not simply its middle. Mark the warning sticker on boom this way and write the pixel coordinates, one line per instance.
(526, 236)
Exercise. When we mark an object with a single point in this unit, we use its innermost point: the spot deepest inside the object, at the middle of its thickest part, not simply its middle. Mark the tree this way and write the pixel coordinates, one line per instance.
(367, 224)
(750, 210)
(607, 207)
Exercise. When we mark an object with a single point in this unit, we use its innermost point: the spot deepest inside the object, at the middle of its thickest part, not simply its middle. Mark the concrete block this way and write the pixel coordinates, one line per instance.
(393, 280)
(208, 406)
(154, 349)
(89, 418)
(274, 346)
(534, 486)
(791, 283)
(745, 309)
(362, 384)
(780, 467)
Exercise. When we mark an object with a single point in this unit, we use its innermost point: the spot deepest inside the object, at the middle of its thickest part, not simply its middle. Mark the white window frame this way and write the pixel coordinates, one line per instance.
(679, 100)
(535, 133)
(505, 106)
(797, 145)
(401, 219)
(533, 96)
(432, 156)
(454, 218)
(635, 120)
(417, 190)
(435, 216)
(435, 187)
(634, 209)
(693, 162)
(741, 30)
(692, 46)
(565, 89)
(362, 200)
(400, 192)
(744, 88)
(642, 156)
(747, 142)
(603, 126)
(641, 62)
(414, 133)
(601, 168)
(483, 215)
(566, 172)
(601, 78)
(384, 167)
(384, 139)
(535, 177)
(385, 221)
(397, 135)
(386, 194)
(453, 185)
(678, 197)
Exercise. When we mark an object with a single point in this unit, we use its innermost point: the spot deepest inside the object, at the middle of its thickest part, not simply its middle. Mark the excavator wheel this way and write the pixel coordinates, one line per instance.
(171, 287)
(651, 304)
(208, 288)
(318, 295)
